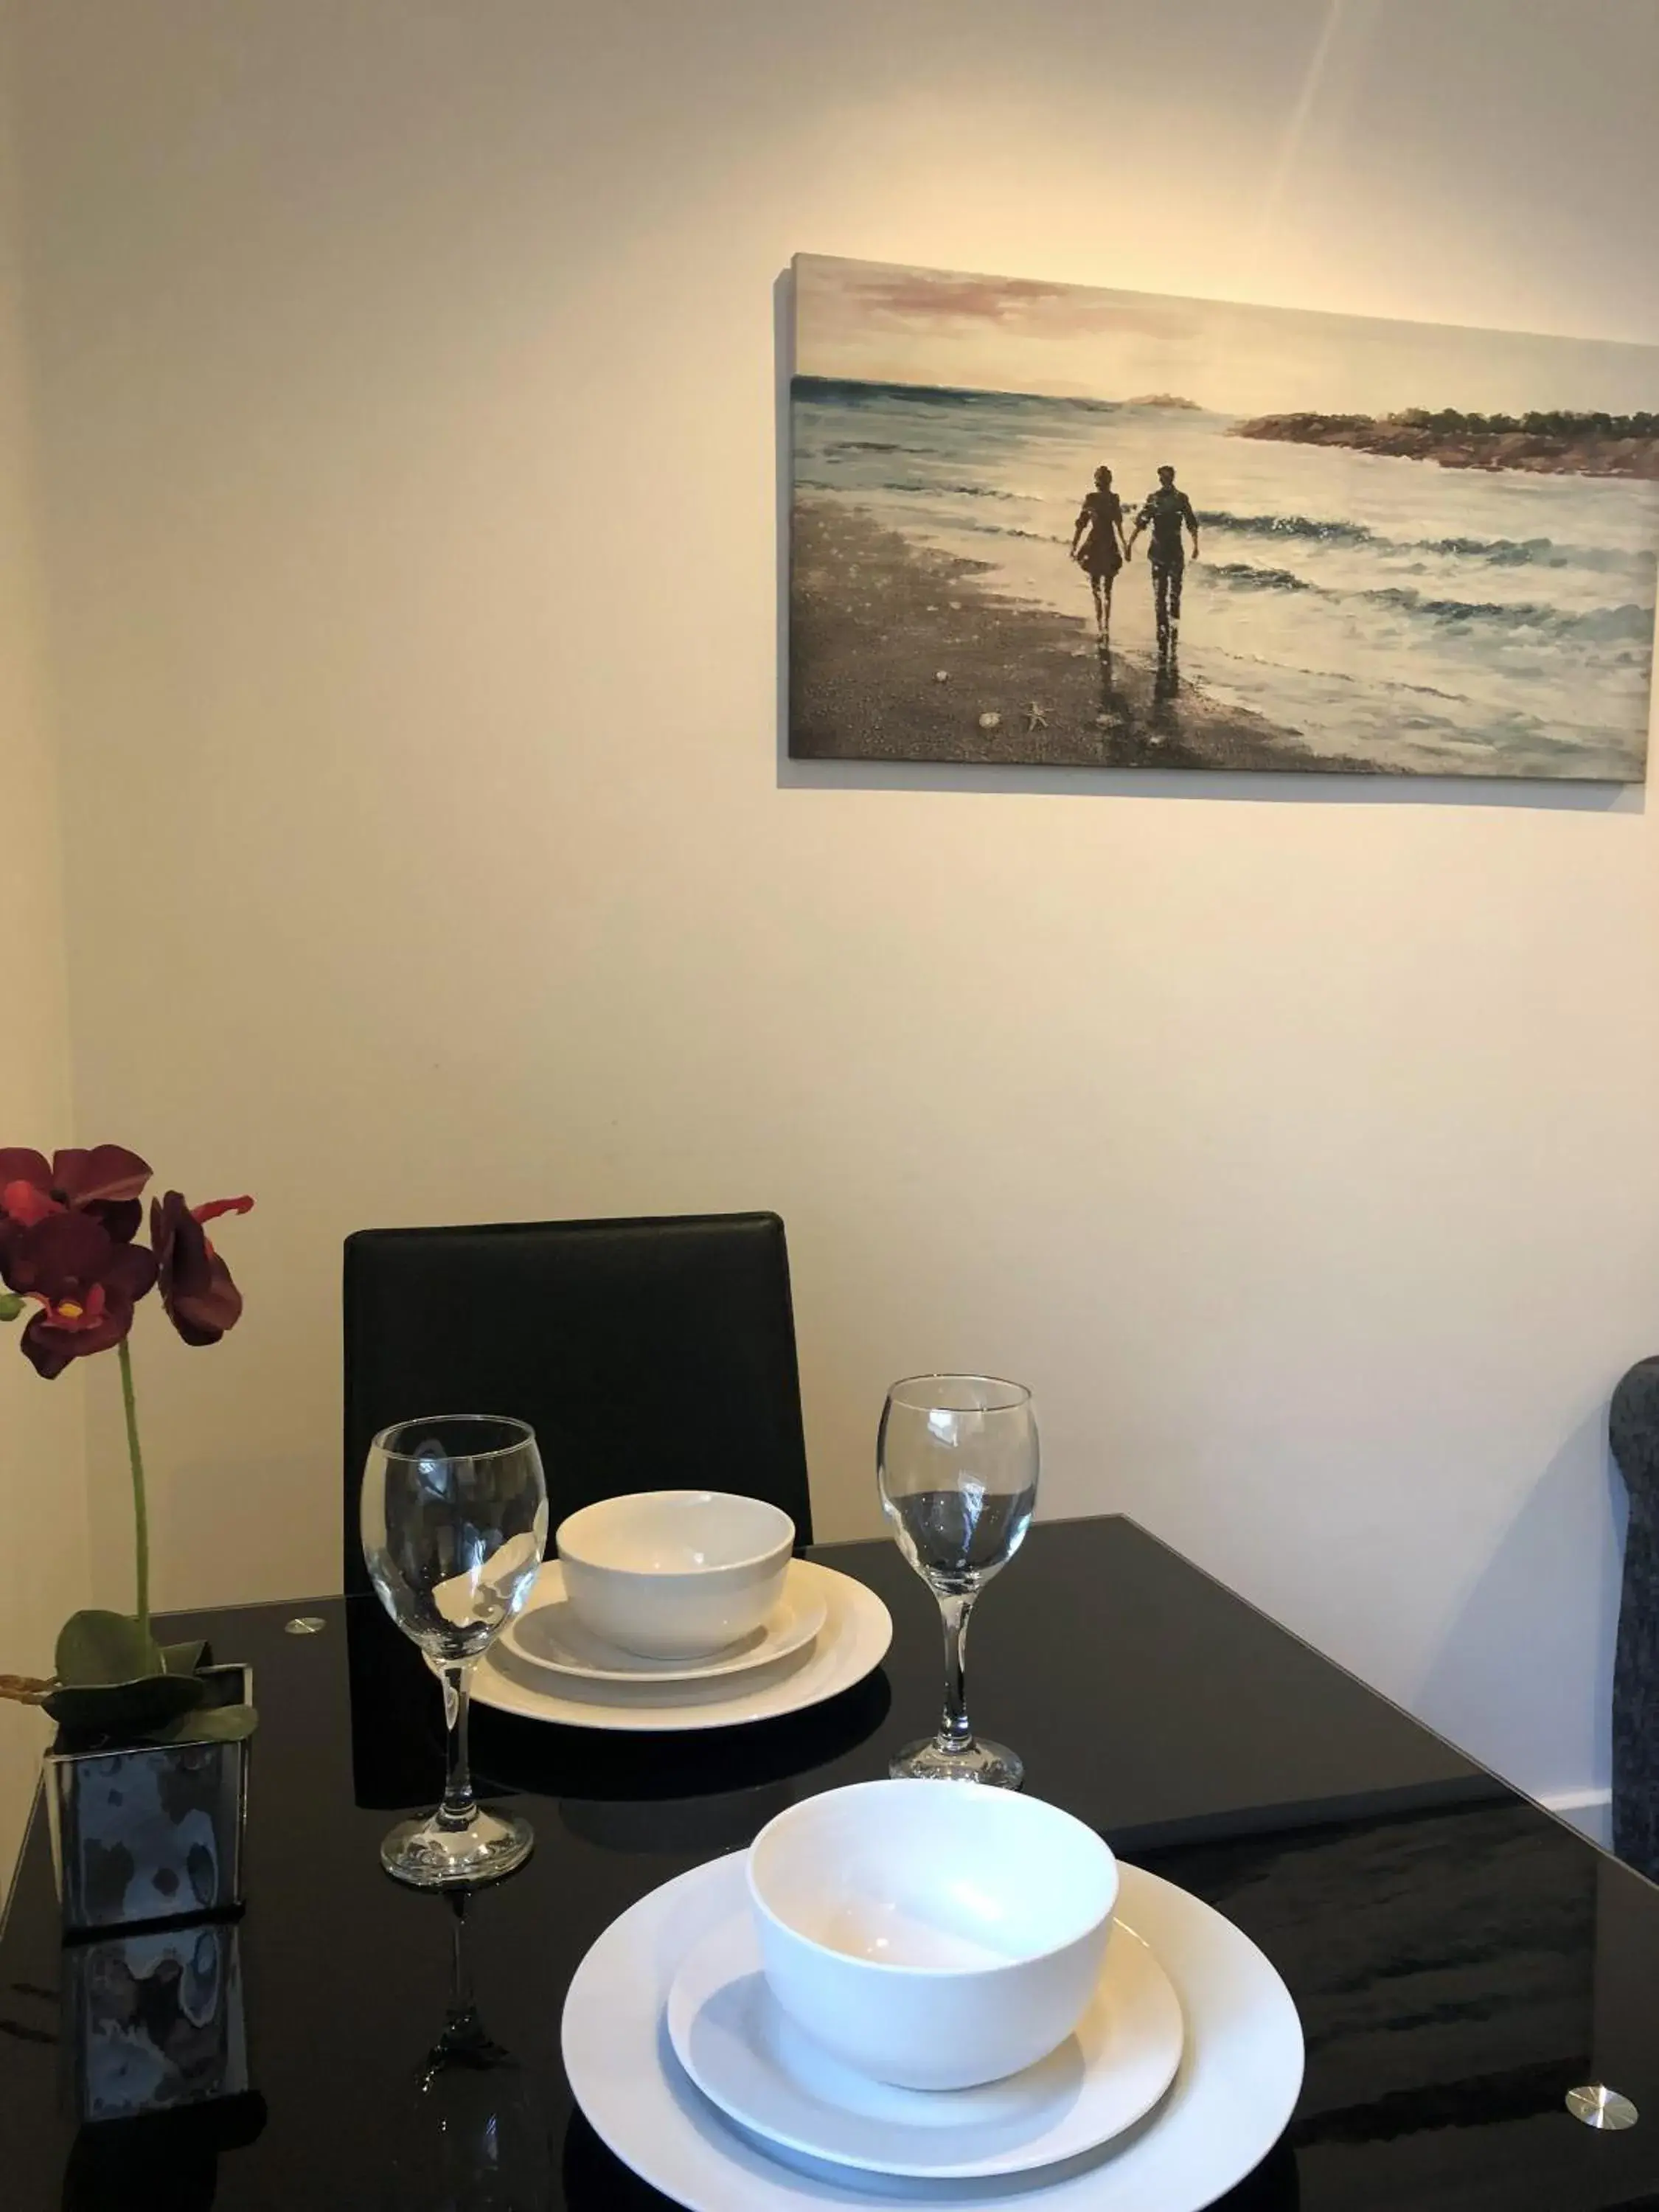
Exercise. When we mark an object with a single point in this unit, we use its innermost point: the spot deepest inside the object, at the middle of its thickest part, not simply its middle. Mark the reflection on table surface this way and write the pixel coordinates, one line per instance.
(472, 2131)
(1459, 1959)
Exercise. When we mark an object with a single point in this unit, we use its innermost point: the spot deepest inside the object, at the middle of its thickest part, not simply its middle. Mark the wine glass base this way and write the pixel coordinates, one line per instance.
(431, 1853)
(933, 1759)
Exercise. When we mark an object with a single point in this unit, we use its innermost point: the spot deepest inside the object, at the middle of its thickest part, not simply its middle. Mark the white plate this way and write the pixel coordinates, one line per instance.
(1238, 2082)
(856, 1631)
(749, 2057)
(548, 1635)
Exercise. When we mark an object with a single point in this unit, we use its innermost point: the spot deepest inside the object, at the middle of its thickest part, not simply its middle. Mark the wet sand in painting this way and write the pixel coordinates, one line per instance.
(897, 651)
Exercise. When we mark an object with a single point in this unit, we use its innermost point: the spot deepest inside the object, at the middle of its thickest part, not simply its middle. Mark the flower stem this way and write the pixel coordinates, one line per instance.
(140, 1515)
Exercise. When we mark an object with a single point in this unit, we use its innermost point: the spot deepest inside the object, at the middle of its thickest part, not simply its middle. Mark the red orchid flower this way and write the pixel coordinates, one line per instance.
(201, 1299)
(106, 1180)
(85, 1283)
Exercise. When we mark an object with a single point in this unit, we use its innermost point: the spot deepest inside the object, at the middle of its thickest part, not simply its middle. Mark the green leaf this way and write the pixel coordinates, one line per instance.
(97, 1647)
(182, 1658)
(11, 1305)
(211, 1724)
(138, 1711)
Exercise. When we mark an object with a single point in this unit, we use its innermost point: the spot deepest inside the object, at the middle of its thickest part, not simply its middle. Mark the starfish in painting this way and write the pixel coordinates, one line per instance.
(1035, 718)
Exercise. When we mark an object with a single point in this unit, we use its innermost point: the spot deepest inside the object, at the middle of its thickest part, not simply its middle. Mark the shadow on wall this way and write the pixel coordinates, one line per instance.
(1553, 1580)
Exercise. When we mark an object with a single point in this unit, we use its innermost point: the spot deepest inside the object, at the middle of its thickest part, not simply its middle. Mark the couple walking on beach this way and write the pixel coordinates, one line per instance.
(1100, 549)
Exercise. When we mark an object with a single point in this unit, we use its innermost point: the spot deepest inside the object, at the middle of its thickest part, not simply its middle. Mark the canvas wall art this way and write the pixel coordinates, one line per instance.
(1043, 523)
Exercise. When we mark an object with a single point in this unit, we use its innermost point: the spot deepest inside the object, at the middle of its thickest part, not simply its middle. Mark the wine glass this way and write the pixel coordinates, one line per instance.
(455, 1523)
(957, 1460)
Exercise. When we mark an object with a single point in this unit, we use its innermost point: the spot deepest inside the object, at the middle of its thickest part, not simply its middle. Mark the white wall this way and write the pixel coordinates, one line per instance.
(431, 857)
(43, 1504)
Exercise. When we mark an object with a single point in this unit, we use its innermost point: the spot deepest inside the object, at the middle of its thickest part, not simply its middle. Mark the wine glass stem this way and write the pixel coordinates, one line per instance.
(459, 1805)
(955, 1733)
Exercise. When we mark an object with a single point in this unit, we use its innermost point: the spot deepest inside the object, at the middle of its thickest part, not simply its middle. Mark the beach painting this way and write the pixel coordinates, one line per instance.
(1040, 523)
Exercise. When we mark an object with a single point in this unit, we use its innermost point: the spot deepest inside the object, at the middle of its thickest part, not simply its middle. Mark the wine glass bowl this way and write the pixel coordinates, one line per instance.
(957, 1460)
(454, 1515)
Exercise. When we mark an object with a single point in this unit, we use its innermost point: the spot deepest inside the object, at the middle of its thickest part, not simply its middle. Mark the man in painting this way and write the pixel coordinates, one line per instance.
(1099, 547)
(1167, 512)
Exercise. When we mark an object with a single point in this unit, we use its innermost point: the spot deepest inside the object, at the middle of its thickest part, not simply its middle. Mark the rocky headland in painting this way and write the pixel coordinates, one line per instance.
(1554, 444)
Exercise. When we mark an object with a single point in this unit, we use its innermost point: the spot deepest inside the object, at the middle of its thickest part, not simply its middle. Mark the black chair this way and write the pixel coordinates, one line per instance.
(647, 1355)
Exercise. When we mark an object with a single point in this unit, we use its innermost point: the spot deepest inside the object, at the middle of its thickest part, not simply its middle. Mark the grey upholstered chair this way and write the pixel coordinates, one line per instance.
(1633, 1430)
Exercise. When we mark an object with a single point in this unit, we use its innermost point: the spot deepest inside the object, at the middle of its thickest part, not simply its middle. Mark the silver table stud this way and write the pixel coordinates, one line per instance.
(1598, 2106)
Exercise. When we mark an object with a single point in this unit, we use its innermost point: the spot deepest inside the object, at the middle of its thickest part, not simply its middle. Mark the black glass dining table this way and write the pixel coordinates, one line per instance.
(1462, 1959)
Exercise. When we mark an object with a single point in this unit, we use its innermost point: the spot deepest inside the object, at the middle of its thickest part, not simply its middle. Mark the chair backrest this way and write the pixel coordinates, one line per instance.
(654, 1354)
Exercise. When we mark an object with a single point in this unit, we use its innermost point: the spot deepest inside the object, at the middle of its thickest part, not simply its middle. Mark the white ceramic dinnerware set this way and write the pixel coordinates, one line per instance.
(920, 1990)
(915, 1992)
(674, 1609)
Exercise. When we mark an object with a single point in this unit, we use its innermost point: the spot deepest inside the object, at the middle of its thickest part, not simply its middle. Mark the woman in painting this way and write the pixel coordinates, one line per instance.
(1098, 545)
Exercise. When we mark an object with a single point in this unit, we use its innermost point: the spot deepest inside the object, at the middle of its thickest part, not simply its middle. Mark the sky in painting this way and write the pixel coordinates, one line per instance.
(885, 323)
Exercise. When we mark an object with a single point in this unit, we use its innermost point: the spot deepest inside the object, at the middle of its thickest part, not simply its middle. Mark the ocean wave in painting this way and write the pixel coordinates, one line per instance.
(1518, 609)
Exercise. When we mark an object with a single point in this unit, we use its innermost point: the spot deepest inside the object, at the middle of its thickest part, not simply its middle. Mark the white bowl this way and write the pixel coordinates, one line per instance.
(931, 1934)
(675, 1574)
